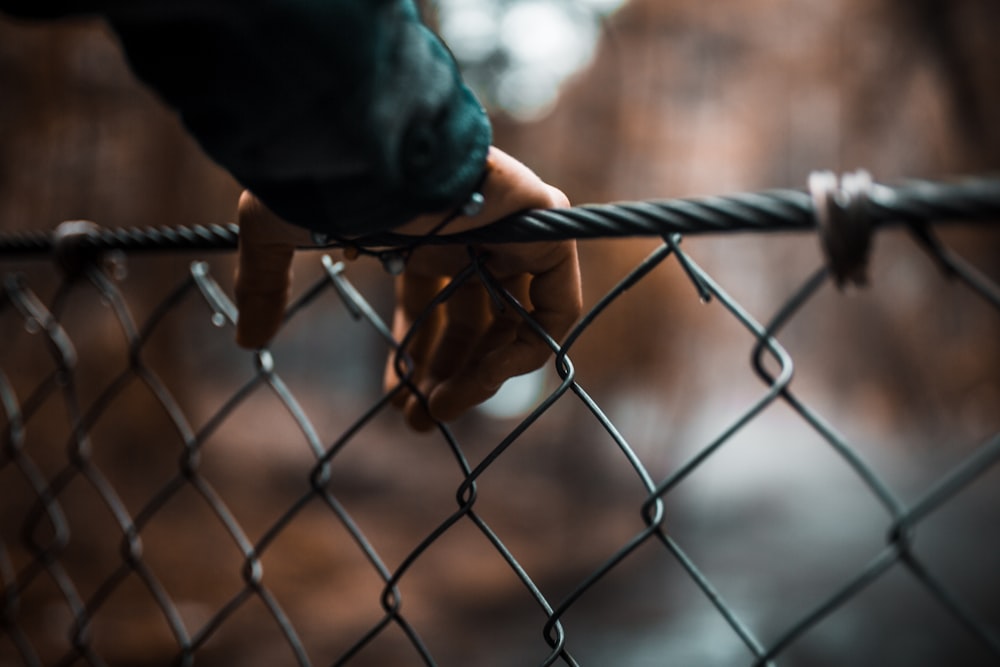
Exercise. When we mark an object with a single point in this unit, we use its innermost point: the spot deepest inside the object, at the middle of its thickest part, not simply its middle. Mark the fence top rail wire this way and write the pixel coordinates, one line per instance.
(843, 211)
(974, 199)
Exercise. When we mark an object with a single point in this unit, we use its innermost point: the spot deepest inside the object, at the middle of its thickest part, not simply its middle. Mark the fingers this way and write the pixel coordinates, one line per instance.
(467, 318)
(512, 347)
(477, 347)
(267, 244)
(468, 349)
(464, 388)
(414, 292)
(557, 299)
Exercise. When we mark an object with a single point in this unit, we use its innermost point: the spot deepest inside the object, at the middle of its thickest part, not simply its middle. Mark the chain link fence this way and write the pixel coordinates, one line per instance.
(274, 510)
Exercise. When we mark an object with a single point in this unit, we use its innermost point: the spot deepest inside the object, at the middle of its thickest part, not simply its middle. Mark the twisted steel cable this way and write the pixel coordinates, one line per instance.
(130, 239)
(969, 200)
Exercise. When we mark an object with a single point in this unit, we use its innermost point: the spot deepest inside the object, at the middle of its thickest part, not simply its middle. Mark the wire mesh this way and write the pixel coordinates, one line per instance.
(138, 530)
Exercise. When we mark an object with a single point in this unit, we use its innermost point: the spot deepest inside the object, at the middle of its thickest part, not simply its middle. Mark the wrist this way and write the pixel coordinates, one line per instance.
(461, 216)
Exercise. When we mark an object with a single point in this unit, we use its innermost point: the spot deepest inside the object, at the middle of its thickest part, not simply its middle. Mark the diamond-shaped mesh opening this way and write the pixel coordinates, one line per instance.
(759, 491)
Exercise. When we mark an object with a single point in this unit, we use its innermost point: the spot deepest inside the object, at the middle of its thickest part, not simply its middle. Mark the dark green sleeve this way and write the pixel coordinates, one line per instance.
(345, 116)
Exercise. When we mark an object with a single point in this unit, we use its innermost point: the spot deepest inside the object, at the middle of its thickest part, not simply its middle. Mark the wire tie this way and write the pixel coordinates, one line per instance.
(845, 227)
(73, 249)
(474, 204)
(393, 261)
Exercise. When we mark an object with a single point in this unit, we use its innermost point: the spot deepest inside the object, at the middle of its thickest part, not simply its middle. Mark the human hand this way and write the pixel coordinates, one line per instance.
(463, 350)
(264, 273)
(467, 347)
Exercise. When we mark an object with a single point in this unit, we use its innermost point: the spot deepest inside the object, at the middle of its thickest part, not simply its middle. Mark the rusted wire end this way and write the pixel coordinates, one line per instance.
(845, 227)
(73, 247)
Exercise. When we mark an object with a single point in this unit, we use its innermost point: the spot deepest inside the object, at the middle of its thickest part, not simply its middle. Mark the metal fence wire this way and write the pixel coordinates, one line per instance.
(134, 535)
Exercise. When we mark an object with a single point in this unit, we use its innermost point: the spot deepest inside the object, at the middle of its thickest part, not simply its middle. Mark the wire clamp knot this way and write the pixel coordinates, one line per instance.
(474, 204)
(75, 250)
(845, 226)
(393, 261)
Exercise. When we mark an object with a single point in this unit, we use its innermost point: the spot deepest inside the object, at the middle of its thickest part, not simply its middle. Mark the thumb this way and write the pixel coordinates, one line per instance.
(263, 279)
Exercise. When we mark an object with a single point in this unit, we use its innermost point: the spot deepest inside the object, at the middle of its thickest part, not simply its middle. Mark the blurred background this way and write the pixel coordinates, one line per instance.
(609, 100)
